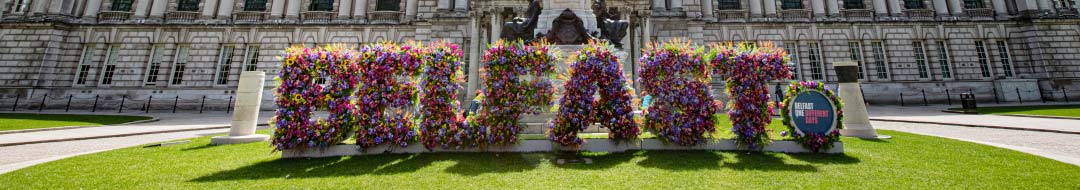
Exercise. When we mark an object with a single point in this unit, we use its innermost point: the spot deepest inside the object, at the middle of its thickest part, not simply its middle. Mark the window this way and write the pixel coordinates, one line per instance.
(84, 64)
(974, 4)
(254, 5)
(920, 59)
(321, 5)
(187, 5)
(153, 69)
(854, 4)
(855, 50)
(791, 4)
(224, 65)
(19, 6)
(793, 52)
(943, 59)
(180, 65)
(110, 64)
(121, 5)
(388, 5)
(1006, 61)
(251, 61)
(815, 62)
(984, 60)
(880, 60)
(914, 4)
(728, 4)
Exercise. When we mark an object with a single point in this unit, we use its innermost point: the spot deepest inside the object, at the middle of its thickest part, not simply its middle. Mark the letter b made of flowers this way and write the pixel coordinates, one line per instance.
(517, 80)
(676, 76)
(322, 78)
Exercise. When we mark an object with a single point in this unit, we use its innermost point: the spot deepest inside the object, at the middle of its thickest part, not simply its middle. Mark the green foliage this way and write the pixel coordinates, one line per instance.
(19, 121)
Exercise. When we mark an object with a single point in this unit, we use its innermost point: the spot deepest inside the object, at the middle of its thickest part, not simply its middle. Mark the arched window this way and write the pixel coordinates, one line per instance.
(321, 5)
(121, 5)
(254, 5)
(187, 5)
(388, 5)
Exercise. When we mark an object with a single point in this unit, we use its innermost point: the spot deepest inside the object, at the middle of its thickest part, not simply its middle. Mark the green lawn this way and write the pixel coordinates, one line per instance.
(17, 121)
(907, 161)
(1049, 110)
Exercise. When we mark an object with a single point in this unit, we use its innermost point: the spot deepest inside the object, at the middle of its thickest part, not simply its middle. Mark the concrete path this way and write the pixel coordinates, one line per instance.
(933, 115)
(168, 122)
(1057, 146)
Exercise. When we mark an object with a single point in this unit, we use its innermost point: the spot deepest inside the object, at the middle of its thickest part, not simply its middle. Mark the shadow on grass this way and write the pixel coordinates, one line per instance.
(681, 160)
(466, 164)
(600, 160)
(205, 146)
(765, 162)
(826, 158)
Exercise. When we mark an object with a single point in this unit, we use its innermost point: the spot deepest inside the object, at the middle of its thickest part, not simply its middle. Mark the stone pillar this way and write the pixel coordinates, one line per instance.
(880, 8)
(38, 7)
(1027, 5)
(856, 119)
(209, 8)
(92, 9)
(4, 8)
(474, 58)
(676, 5)
(956, 7)
(755, 8)
(818, 7)
(344, 9)
(157, 10)
(444, 5)
(834, 7)
(496, 27)
(56, 7)
(461, 5)
(896, 8)
(277, 8)
(770, 7)
(360, 10)
(225, 9)
(941, 8)
(1000, 9)
(707, 9)
(410, 10)
(1045, 6)
(142, 7)
(248, 99)
(292, 11)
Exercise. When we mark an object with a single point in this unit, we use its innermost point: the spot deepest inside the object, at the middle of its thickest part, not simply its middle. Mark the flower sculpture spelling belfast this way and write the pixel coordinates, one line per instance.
(298, 94)
(386, 92)
(594, 67)
(813, 141)
(441, 125)
(508, 91)
(684, 109)
(747, 69)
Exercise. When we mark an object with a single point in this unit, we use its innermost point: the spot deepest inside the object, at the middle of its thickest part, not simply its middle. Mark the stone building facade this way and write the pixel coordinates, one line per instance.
(165, 48)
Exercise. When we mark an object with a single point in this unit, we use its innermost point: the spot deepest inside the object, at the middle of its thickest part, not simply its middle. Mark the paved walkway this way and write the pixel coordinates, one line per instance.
(1057, 146)
(933, 114)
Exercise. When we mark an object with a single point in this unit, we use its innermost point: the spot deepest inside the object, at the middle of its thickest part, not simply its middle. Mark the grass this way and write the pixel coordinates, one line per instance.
(18, 121)
(1047, 110)
(907, 161)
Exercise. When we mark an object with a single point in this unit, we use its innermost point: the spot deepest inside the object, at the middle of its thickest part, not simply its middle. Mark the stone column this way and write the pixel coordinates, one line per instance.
(1045, 6)
(38, 7)
(941, 7)
(834, 7)
(92, 8)
(676, 5)
(248, 99)
(209, 6)
(1000, 9)
(410, 10)
(56, 7)
(277, 8)
(292, 10)
(344, 9)
(444, 5)
(956, 7)
(142, 7)
(707, 9)
(770, 7)
(225, 9)
(360, 10)
(496, 27)
(4, 8)
(856, 119)
(461, 5)
(755, 8)
(474, 58)
(895, 8)
(659, 5)
(818, 7)
(880, 8)
(157, 10)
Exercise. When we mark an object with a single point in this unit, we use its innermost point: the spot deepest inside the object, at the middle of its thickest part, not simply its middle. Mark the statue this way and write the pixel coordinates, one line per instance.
(568, 28)
(611, 28)
(522, 28)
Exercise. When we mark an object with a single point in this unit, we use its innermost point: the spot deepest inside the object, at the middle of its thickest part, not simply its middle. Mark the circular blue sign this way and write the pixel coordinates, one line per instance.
(812, 112)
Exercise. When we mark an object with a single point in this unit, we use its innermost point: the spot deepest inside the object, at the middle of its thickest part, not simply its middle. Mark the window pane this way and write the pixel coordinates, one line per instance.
(1006, 61)
(110, 64)
(815, 62)
(224, 65)
(252, 62)
(855, 50)
(388, 5)
(793, 52)
(188, 5)
(180, 66)
(728, 4)
(254, 5)
(854, 4)
(791, 4)
(920, 59)
(321, 5)
(984, 61)
(84, 64)
(914, 4)
(974, 4)
(943, 60)
(154, 69)
(879, 60)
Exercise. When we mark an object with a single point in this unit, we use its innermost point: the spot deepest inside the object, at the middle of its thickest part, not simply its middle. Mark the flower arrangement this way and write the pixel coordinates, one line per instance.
(507, 96)
(386, 73)
(440, 124)
(814, 142)
(683, 111)
(297, 95)
(747, 70)
(594, 67)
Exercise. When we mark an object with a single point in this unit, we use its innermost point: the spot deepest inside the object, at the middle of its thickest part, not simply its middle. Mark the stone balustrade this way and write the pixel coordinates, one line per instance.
(795, 15)
(385, 17)
(731, 15)
(858, 14)
(980, 14)
(181, 17)
(248, 17)
(113, 17)
(919, 14)
(317, 17)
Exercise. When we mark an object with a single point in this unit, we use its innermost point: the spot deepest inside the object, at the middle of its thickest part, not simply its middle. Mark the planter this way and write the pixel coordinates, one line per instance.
(592, 145)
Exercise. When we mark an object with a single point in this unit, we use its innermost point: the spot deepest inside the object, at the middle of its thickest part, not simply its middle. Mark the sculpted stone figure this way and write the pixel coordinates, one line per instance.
(522, 28)
(568, 28)
(611, 28)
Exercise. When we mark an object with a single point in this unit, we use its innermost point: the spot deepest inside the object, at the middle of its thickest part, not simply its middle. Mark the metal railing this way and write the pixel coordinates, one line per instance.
(98, 103)
(949, 96)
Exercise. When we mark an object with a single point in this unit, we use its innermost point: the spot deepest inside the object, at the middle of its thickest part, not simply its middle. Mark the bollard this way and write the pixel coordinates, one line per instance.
(229, 109)
(42, 105)
(901, 98)
(13, 106)
(201, 103)
(174, 103)
(148, 101)
(94, 109)
(121, 109)
(948, 97)
(1066, 95)
(996, 99)
(1018, 97)
(68, 106)
(972, 92)
(924, 102)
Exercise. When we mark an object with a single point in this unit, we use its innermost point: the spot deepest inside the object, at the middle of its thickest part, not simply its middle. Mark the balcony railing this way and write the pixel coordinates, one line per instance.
(181, 17)
(858, 14)
(317, 16)
(1066, 12)
(113, 16)
(385, 17)
(801, 15)
(980, 13)
(919, 14)
(249, 16)
(731, 15)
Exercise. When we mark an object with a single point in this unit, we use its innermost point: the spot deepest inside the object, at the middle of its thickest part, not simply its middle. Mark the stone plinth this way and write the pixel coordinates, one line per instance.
(249, 97)
(856, 119)
(552, 9)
